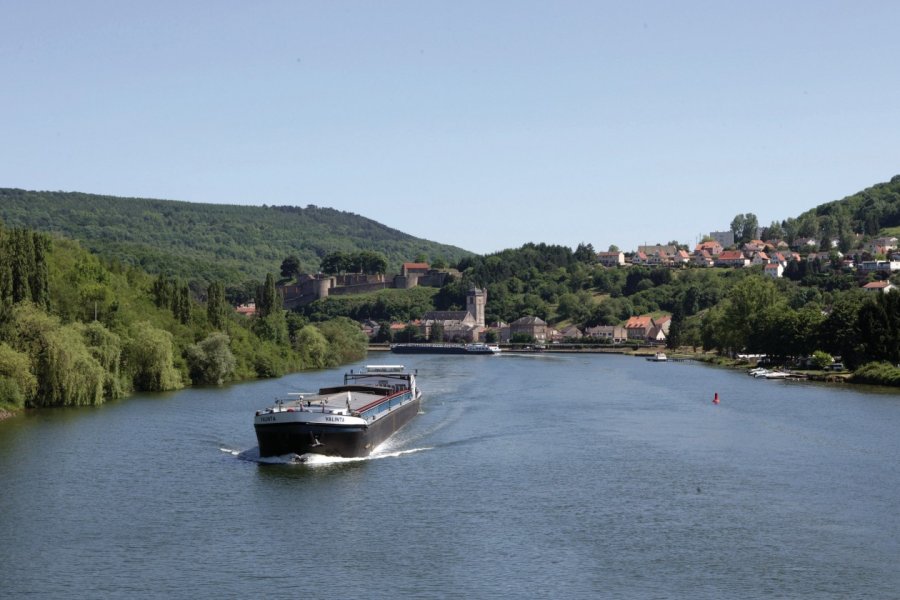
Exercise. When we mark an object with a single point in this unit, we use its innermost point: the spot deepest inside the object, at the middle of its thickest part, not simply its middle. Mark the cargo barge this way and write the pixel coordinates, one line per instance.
(348, 420)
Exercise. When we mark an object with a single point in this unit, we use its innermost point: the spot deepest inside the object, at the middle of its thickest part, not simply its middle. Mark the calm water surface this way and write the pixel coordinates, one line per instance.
(536, 476)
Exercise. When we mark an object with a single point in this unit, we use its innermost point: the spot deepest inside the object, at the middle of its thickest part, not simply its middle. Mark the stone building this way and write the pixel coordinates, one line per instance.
(531, 326)
(465, 325)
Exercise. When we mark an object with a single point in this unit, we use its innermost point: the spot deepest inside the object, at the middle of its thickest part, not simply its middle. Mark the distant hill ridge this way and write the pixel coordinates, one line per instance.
(203, 242)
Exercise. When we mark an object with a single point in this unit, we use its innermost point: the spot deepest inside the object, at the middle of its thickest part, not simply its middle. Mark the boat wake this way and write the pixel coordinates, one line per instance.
(315, 460)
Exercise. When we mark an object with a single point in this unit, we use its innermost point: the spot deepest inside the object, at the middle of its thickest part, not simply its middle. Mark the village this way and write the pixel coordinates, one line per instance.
(881, 256)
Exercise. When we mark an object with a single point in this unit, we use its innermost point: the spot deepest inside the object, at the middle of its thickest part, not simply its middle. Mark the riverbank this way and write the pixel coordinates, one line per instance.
(880, 375)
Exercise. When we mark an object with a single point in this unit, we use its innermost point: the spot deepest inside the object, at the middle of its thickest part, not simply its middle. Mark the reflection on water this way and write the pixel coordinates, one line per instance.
(539, 476)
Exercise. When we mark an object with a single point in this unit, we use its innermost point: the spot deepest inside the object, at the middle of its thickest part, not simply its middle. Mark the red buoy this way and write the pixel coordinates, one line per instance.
(716, 398)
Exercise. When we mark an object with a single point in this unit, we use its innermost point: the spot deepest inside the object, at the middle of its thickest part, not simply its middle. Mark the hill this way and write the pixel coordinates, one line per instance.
(206, 242)
(870, 212)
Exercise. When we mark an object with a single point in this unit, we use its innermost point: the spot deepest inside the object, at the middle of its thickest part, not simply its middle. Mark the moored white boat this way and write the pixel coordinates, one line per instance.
(776, 375)
(482, 348)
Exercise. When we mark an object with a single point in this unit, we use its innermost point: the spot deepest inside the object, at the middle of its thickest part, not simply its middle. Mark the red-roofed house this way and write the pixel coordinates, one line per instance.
(712, 247)
(754, 246)
(647, 329)
(663, 322)
(732, 258)
(879, 286)
(702, 259)
(611, 259)
(414, 268)
(638, 328)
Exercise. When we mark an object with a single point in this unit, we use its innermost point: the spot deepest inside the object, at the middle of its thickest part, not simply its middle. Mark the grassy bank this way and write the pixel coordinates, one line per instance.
(877, 374)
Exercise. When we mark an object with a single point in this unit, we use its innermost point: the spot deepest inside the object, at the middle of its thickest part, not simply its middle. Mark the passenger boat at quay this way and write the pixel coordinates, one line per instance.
(348, 420)
(442, 348)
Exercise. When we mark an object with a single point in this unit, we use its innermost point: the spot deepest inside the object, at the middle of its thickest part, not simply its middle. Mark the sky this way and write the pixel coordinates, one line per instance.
(482, 124)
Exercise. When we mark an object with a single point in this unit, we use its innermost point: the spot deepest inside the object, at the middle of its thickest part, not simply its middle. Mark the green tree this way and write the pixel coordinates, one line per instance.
(773, 232)
(840, 332)
(879, 328)
(18, 384)
(744, 227)
(821, 360)
(737, 227)
(290, 267)
(163, 291)
(26, 275)
(521, 338)
(410, 333)
(65, 371)
(633, 280)
(106, 348)
(148, 354)
(576, 307)
(312, 347)
(372, 263)
(40, 276)
(68, 374)
(346, 341)
(674, 339)
(384, 333)
(334, 263)
(585, 253)
(217, 310)
(270, 322)
(181, 308)
(734, 322)
(211, 361)
(266, 297)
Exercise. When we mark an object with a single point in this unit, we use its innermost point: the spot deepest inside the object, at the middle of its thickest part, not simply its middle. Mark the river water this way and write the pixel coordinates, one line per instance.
(530, 476)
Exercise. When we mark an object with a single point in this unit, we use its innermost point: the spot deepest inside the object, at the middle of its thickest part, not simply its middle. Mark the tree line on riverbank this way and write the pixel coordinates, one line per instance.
(75, 330)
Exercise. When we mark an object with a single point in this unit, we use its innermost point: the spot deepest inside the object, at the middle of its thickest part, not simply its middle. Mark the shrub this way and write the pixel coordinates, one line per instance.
(821, 360)
(210, 361)
(877, 373)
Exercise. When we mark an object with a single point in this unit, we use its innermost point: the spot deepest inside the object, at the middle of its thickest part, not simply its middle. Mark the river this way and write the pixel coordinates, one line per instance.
(528, 476)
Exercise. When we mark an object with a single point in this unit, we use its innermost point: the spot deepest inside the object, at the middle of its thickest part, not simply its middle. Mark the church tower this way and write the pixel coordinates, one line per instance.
(475, 301)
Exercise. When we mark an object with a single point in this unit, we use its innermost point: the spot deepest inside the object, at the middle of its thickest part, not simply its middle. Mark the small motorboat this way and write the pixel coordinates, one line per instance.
(776, 375)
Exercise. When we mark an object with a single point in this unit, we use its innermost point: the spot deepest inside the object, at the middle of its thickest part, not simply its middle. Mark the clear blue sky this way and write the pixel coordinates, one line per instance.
(480, 124)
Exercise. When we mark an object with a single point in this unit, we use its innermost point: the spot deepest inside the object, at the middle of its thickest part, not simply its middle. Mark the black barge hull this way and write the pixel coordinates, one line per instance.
(332, 440)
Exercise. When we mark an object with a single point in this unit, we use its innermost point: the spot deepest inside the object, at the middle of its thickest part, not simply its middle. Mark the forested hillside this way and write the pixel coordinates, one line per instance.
(207, 242)
(76, 331)
(867, 213)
